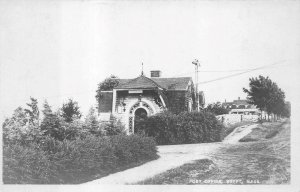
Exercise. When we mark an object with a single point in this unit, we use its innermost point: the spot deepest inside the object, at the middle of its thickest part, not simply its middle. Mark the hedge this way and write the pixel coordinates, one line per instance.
(77, 161)
(184, 128)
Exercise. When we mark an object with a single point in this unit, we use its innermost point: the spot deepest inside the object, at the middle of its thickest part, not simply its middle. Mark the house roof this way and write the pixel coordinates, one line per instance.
(140, 82)
(178, 83)
(237, 102)
(240, 110)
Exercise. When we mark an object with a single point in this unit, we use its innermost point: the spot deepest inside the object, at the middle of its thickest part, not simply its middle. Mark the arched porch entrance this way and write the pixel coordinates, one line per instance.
(139, 115)
(137, 112)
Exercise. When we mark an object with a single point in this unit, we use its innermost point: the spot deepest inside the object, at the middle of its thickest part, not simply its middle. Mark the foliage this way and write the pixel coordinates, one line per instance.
(186, 127)
(106, 85)
(25, 164)
(217, 108)
(72, 130)
(54, 162)
(133, 148)
(60, 151)
(201, 99)
(287, 109)
(70, 111)
(57, 127)
(92, 124)
(266, 95)
(21, 128)
(33, 111)
(51, 122)
(114, 127)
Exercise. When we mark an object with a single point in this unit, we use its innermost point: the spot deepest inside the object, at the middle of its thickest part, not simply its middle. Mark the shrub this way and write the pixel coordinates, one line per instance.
(184, 128)
(74, 161)
(113, 127)
(133, 149)
(25, 164)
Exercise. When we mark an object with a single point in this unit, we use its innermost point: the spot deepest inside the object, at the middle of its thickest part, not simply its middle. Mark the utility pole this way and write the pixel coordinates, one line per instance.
(197, 64)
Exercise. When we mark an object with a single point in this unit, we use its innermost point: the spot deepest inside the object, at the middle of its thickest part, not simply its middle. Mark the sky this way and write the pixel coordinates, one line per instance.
(57, 50)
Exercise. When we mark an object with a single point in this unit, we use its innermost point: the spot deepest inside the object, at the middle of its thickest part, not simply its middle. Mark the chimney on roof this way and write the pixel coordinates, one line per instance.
(239, 98)
(155, 73)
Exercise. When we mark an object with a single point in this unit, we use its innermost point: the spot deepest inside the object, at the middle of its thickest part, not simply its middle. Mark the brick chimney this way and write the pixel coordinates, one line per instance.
(239, 98)
(155, 73)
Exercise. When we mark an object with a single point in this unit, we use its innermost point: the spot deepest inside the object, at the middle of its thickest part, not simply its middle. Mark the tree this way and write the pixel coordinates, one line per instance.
(51, 123)
(13, 127)
(217, 108)
(107, 85)
(23, 127)
(266, 95)
(92, 123)
(277, 105)
(287, 109)
(70, 111)
(201, 99)
(56, 126)
(33, 112)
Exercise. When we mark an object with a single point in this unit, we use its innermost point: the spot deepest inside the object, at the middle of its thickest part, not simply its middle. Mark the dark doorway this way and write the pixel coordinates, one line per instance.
(139, 115)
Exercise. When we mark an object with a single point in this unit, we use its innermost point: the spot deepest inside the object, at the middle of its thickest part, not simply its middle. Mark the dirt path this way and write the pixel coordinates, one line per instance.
(239, 133)
(172, 156)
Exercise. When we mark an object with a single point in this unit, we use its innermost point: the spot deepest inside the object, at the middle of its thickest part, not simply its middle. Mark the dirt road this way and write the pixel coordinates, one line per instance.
(171, 156)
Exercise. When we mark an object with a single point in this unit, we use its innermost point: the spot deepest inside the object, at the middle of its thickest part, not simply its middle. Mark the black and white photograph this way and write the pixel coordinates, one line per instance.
(160, 95)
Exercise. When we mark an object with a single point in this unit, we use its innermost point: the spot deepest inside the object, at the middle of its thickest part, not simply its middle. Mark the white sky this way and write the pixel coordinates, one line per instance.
(58, 50)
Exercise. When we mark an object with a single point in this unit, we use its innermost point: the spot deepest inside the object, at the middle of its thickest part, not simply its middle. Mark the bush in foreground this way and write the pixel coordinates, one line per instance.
(75, 161)
(184, 128)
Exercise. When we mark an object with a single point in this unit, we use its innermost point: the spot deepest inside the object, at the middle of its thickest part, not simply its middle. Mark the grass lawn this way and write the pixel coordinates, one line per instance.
(263, 131)
(265, 161)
